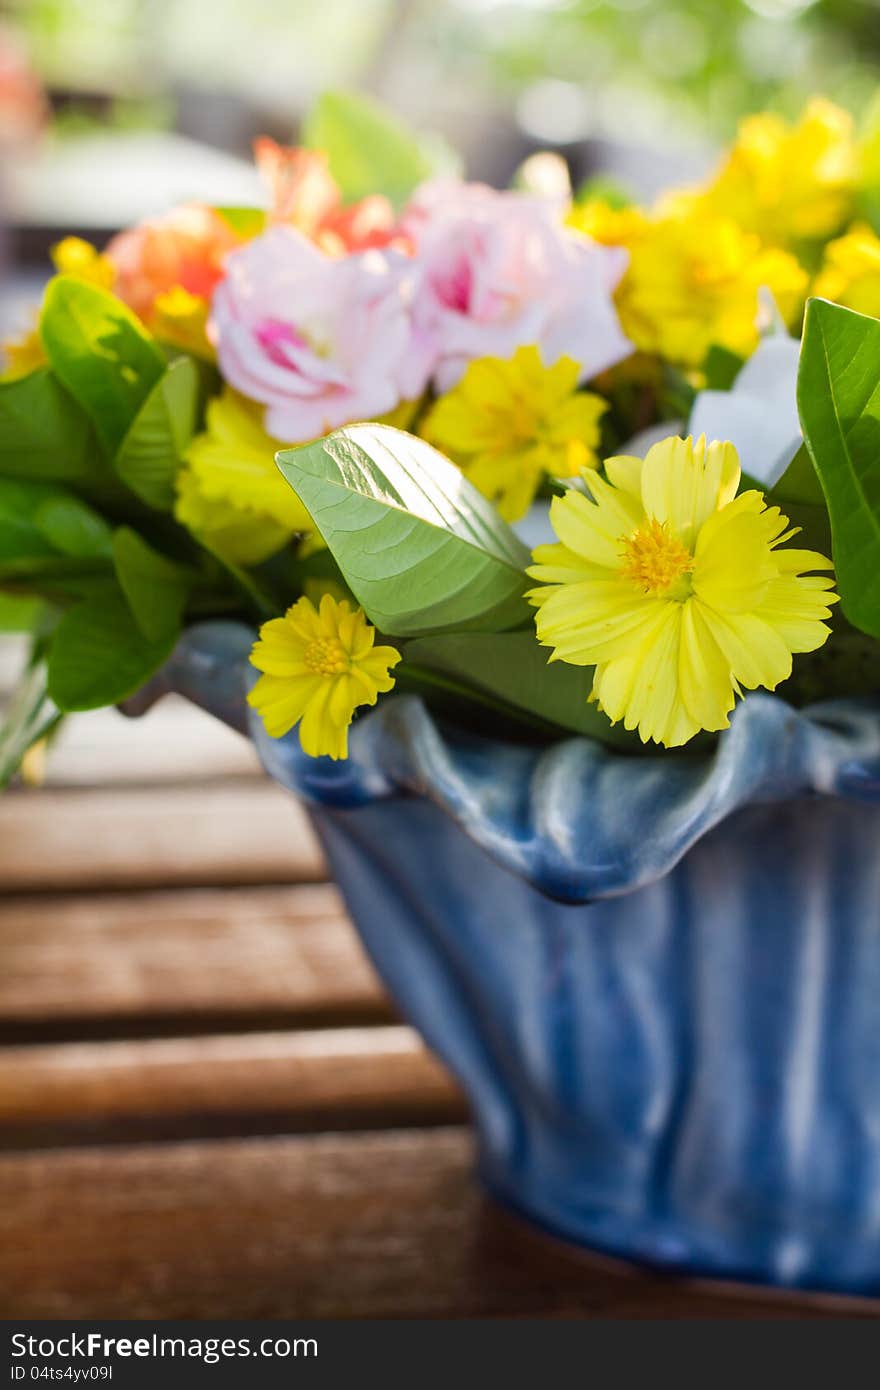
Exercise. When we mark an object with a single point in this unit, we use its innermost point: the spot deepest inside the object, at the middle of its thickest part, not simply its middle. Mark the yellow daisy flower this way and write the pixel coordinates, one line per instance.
(693, 282)
(789, 183)
(850, 272)
(676, 590)
(510, 424)
(231, 493)
(319, 665)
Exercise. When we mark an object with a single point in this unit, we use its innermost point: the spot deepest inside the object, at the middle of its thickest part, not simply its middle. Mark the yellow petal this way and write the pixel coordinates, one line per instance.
(703, 673)
(756, 654)
(280, 702)
(684, 482)
(625, 472)
(734, 563)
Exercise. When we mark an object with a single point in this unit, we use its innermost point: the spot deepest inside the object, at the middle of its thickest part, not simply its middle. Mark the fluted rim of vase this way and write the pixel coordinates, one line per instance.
(575, 818)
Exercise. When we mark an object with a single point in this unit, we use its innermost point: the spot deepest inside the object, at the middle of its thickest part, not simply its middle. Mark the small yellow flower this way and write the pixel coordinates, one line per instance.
(319, 665)
(73, 256)
(23, 355)
(693, 282)
(789, 183)
(612, 226)
(850, 272)
(676, 590)
(231, 493)
(510, 424)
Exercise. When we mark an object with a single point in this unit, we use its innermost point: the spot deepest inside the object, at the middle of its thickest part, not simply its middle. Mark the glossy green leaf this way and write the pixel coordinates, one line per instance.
(101, 352)
(44, 434)
(839, 402)
(150, 454)
(514, 668)
(418, 546)
(156, 588)
(369, 149)
(99, 654)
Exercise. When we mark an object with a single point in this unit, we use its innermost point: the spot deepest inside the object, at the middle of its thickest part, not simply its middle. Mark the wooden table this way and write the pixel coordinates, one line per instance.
(207, 1105)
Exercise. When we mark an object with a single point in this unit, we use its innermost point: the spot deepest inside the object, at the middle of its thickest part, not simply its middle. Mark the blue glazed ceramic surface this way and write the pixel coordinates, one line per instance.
(658, 979)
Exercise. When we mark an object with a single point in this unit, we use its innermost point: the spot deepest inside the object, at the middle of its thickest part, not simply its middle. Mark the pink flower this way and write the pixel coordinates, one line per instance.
(187, 247)
(320, 340)
(501, 270)
(305, 195)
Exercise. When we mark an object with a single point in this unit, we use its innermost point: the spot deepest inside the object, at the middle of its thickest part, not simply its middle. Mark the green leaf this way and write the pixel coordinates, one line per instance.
(514, 668)
(73, 528)
(20, 612)
(418, 546)
(50, 541)
(245, 222)
(101, 352)
(156, 588)
(21, 534)
(150, 454)
(839, 403)
(44, 434)
(369, 150)
(604, 187)
(99, 655)
(722, 367)
(799, 482)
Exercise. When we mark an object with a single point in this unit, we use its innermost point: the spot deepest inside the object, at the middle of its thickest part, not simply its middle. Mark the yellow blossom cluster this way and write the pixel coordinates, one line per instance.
(700, 257)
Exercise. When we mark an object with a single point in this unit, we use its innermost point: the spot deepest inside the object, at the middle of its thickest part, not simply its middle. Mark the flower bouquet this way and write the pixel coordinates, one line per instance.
(560, 472)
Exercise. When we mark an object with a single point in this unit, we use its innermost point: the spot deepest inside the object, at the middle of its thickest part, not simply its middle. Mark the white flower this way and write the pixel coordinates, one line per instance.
(759, 414)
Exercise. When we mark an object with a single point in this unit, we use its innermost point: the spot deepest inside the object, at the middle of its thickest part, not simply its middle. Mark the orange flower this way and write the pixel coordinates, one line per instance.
(23, 108)
(305, 195)
(186, 248)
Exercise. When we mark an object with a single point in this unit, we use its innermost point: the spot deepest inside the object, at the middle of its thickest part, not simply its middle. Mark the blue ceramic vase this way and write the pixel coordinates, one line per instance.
(657, 979)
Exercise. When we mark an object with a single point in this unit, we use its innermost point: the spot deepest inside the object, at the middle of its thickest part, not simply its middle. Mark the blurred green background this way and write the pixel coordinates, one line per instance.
(642, 90)
(554, 71)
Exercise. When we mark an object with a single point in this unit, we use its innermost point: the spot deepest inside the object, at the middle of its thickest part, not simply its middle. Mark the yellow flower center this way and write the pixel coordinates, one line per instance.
(654, 559)
(326, 657)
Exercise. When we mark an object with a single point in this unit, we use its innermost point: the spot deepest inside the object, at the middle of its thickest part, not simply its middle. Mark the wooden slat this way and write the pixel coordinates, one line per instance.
(175, 742)
(377, 1225)
(139, 963)
(336, 1078)
(226, 832)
